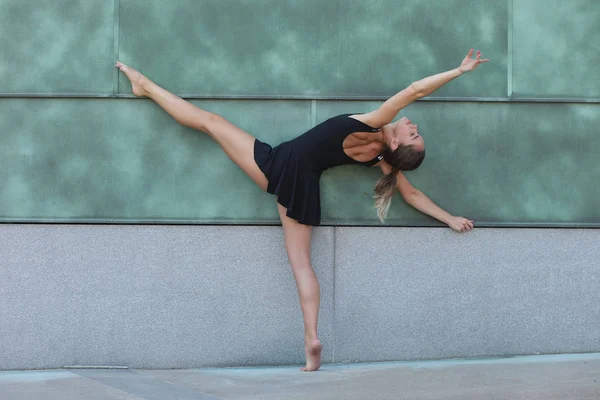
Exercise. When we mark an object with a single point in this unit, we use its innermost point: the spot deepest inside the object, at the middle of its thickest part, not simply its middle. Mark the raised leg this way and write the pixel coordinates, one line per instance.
(237, 144)
(297, 244)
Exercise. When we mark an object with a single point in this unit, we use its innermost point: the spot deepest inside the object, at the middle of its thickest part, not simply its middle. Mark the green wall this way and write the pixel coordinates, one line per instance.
(514, 143)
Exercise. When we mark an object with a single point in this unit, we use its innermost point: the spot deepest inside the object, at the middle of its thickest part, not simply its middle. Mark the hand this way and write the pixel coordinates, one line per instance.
(460, 224)
(470, 64)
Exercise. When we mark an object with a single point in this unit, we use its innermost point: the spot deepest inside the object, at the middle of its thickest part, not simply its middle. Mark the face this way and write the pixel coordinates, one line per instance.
(406, 133)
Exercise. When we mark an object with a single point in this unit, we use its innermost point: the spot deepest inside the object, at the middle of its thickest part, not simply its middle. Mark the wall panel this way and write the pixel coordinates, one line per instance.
(124, 160)
(497, 163)
(313, 47)
(556, 49)
(59, 46)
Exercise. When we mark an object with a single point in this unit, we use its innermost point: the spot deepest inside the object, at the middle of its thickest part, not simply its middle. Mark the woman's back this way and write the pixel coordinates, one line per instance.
(294, 168)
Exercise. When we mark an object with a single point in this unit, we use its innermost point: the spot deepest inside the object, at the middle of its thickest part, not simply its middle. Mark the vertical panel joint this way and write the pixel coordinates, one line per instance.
(510, 50)
(117, 11)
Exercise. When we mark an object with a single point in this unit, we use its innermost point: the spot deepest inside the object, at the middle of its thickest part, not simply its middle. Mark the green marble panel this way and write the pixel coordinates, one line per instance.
(127, 160)
(494, 163)
(313, 47)
(556, 48)
(59, 46)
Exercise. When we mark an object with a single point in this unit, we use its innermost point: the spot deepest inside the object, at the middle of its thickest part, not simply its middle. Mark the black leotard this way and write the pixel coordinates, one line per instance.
(294, 168)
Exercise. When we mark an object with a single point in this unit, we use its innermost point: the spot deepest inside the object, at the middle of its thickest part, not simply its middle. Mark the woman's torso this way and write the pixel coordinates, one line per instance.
(329, 144)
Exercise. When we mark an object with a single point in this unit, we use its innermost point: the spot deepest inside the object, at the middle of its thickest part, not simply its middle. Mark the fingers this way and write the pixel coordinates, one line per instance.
(461, 224)
(478, 58)
(467, 225)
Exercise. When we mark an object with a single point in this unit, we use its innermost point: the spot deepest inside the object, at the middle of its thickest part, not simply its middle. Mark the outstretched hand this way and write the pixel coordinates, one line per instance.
(460, 224)
(470, 64)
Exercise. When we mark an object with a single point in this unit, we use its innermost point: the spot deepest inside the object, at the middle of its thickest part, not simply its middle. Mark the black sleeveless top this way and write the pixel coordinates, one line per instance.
(294, 168)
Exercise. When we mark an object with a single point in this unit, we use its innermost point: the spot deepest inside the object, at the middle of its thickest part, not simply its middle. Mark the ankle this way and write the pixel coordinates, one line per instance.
(308, 338)
(148, 87)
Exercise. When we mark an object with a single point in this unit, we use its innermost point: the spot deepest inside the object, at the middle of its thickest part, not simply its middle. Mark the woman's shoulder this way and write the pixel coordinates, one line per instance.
(350, 122)
(364, 119)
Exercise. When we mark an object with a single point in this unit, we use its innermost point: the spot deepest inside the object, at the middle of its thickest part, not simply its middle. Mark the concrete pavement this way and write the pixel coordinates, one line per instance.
(569, 376)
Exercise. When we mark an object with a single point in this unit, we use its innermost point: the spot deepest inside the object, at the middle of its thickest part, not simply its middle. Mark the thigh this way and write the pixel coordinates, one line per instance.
(239, 147)
(297, 238)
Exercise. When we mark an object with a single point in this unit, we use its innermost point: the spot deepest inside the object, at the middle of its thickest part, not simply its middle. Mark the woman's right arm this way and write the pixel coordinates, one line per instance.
(424, 204)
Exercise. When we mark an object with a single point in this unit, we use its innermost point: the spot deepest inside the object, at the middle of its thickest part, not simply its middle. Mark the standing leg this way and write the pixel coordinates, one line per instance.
(237, 144)
(297, 244)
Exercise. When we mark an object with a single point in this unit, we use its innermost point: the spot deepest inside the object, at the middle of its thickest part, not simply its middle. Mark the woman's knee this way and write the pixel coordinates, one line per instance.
(211, 123)
(299, 260)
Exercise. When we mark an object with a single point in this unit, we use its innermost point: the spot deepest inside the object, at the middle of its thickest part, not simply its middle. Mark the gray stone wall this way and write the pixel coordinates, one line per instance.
(148, 296)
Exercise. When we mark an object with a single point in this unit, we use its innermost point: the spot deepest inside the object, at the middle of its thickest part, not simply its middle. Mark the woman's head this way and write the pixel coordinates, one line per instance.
(404, 147)
(404, 151)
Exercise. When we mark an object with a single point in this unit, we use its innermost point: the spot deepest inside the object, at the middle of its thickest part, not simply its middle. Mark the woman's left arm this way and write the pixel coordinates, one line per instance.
(424, 87)
(418, 200)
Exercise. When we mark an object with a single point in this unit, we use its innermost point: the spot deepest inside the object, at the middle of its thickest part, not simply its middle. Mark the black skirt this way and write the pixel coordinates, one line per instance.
(293, 179)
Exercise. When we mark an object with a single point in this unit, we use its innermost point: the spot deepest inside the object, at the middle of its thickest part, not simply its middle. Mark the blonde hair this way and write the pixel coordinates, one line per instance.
(384, 189)
(404, 158)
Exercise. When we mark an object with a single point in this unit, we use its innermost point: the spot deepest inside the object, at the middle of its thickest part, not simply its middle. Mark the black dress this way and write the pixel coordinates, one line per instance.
(294, 168)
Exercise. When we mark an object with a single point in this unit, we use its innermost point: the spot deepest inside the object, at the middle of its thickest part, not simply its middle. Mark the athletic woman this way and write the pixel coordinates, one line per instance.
(291, 170)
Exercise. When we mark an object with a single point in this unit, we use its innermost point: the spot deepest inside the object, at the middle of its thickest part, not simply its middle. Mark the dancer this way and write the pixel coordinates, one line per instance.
(291, 170)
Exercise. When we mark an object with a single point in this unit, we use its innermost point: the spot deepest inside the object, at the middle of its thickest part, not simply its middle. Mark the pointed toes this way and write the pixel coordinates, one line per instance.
(120, 65)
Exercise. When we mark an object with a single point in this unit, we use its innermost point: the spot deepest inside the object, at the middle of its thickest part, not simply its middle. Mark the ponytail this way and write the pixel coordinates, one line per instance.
(404, 158)
(383, 194)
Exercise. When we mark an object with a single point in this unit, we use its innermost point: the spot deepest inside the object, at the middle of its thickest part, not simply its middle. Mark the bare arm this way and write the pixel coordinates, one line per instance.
(418, 200)
(416, 90)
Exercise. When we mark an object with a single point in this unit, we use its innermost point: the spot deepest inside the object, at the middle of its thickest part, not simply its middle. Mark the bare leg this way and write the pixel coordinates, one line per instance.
(237, 144)
(297, 243)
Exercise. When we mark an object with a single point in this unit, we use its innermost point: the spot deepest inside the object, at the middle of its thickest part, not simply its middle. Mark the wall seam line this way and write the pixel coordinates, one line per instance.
(519, 100)
(116, 50)
(333, 305)
(510, 50)
(324, 223)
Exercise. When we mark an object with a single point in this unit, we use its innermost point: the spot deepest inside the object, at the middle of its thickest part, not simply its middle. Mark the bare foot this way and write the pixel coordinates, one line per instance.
(138, 81)
(313, 350)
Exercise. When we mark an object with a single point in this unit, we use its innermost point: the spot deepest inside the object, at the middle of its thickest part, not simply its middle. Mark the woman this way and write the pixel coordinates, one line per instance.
(292, 169)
